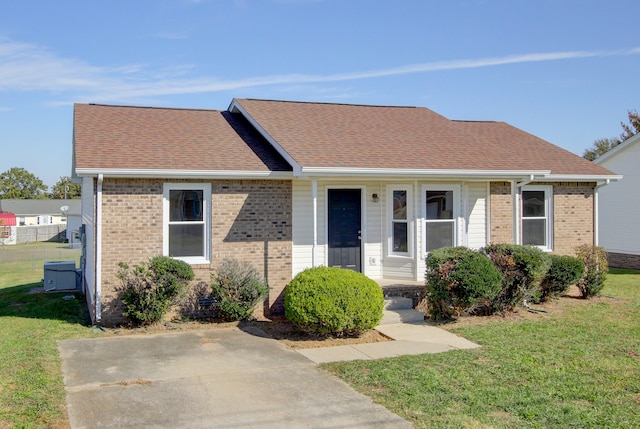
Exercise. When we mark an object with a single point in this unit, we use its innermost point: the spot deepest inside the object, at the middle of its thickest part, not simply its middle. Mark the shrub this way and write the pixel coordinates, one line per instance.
(563, 272)
(237, 288)
(149, 289)
(596, 268)
(522, 268)
(333, 301)
(457, 279)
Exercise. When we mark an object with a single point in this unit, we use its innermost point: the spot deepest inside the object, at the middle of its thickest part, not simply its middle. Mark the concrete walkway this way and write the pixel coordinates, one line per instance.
(410, 339)
(221, 378)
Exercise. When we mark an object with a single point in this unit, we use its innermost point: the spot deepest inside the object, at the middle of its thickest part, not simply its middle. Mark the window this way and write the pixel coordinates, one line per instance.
(536, 216)
(440, 216)
(186, 221)
(399, 214)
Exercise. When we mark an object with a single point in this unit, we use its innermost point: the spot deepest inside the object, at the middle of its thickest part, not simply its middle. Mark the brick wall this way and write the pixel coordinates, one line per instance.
(250, 221)
(572, 214)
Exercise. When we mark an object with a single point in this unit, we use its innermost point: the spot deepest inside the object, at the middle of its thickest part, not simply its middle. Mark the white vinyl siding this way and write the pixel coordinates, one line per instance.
(476, 203)
(619, 205)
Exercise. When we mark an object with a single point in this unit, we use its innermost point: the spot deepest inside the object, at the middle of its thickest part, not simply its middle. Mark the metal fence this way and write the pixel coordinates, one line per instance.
(38, 256)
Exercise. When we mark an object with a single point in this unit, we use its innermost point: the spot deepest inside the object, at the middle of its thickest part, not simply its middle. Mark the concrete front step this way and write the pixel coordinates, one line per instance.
(398, 303)
(401, 316)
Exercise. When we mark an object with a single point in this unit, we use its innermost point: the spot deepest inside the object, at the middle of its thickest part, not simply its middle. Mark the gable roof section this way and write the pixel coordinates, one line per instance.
(317, 137)
(154, 142)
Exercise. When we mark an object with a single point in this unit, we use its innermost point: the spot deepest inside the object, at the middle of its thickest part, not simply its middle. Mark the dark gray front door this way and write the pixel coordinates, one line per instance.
(344, 228)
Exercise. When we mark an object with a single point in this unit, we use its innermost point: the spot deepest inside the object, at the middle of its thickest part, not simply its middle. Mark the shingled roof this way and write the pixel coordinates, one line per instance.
(161, 139)
(325, 135)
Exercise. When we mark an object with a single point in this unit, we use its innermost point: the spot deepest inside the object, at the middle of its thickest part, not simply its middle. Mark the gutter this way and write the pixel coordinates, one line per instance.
(596, 214)
(98, 278)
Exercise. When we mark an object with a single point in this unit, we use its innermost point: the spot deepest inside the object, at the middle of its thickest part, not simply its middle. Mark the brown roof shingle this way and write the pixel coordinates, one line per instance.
(121, 137)
(357, 136)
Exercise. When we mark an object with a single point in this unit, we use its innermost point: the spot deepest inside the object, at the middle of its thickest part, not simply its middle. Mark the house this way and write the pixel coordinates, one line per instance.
(619, 233)
(289, 185)
(43, 220)
(7, 228)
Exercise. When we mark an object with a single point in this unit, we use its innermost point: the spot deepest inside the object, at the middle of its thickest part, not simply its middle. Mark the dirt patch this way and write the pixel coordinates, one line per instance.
(279, 329)
(552, 308)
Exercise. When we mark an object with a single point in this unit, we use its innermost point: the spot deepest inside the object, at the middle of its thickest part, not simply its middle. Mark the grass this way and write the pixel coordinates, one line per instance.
(31, 387)
(579, 369)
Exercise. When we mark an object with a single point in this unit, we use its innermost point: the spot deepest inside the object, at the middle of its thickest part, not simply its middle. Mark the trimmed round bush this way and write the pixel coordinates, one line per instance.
(459, 280)
(564, 271)
(333, 301)
(523, 269)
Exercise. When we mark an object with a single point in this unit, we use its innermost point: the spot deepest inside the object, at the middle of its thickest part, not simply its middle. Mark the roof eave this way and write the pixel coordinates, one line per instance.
(181, 174)
(422, 173)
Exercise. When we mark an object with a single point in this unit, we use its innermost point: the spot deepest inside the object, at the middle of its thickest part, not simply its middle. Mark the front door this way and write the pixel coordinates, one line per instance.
(345, 229)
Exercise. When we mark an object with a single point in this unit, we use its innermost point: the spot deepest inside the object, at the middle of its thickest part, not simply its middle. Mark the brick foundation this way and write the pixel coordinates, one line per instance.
(624, 260)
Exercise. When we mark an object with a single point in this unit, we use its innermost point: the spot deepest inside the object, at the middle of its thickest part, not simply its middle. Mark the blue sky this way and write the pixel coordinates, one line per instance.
(563, 70)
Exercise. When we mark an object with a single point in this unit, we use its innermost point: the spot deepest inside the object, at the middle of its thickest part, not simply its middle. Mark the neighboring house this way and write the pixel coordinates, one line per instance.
(290, 185)
(39, 212)
(7, 228)
(618, 221)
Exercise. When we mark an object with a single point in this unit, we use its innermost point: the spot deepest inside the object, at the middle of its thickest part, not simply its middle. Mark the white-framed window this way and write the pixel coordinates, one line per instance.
(537, 216)
(400, 220)
(187, 221)
(440, 213)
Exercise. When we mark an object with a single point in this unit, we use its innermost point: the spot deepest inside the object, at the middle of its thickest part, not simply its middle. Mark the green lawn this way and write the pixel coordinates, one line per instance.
(31, 389)
(580, 369)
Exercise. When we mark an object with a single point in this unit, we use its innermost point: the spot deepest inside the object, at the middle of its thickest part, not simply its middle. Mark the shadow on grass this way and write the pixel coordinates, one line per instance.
(18, 301)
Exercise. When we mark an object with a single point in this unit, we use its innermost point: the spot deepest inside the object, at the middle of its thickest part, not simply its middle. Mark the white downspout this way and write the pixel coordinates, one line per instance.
(98, 279)
(515, 191)
(596, 214)
(314, 197)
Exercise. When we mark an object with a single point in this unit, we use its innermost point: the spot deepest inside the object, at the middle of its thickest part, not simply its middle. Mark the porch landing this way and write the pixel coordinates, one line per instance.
(415, 290)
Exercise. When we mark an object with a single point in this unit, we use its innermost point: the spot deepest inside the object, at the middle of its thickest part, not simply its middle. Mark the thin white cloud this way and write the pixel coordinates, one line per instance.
(25, 67)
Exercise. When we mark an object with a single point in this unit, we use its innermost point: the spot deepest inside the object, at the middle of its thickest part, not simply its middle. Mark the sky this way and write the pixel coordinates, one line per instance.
(563, 70)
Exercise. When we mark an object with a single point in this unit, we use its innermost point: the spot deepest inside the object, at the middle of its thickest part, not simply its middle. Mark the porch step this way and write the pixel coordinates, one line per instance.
(401, 316)
(398, 303)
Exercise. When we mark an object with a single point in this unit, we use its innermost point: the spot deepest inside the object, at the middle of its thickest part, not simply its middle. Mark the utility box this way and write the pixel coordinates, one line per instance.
(60, 276)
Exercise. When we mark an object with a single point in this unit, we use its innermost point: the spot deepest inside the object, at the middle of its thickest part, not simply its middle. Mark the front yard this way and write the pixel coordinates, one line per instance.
(578, 367)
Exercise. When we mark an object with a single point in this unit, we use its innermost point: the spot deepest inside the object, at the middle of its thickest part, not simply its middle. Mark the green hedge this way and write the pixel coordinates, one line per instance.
(148, 289)
(237, 288)
(563, 271)
(333, 301)
(523, 269)
(459, 280)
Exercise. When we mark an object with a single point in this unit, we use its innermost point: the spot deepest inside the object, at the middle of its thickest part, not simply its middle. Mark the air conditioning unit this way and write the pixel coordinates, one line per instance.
(60, 276)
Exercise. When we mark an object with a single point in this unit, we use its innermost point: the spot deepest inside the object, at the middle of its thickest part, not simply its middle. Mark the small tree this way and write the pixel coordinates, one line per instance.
(18, 183)
(596, 267)
(65, 189)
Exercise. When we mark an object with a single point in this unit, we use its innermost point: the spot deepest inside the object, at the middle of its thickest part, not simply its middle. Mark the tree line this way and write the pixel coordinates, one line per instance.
(604, 145)
(19, 184)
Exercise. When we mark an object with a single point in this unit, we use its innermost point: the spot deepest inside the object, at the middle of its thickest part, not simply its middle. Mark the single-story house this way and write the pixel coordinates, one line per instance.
(40, 212)
(289, 185)
(619, 233)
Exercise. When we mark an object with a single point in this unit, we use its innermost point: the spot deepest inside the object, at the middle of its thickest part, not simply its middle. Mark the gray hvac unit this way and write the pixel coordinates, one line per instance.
(60, 275)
